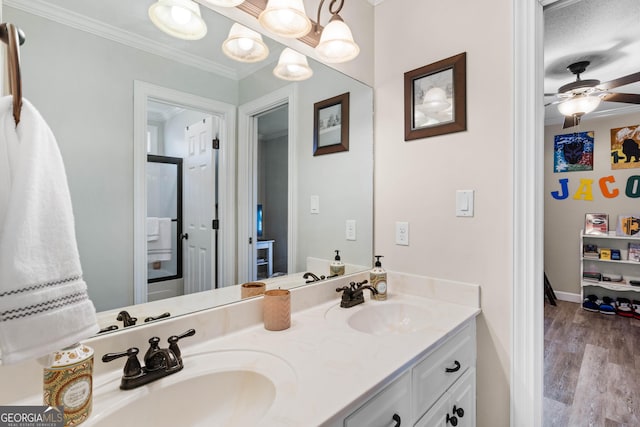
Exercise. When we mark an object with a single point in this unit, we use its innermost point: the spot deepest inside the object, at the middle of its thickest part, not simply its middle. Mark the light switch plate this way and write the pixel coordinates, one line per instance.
(464, 202)
(351, 229)
(315, 204)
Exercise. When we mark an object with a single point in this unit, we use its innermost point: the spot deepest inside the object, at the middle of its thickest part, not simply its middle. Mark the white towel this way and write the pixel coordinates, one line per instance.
(44, 305)
(160, 249)
(153, 231)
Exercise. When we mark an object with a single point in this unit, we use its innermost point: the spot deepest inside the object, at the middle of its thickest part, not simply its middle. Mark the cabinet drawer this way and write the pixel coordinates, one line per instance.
(457, 406)
(439, 370)
(380, 410)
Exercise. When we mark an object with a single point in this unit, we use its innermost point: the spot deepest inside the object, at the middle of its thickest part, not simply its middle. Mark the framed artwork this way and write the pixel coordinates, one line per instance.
(596, 223)
(331, 125)
(628, 225)
(625, 147)
(573, 152)
(435, 98)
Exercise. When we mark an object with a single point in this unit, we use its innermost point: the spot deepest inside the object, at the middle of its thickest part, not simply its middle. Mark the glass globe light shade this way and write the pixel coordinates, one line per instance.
(434, 101)
(336, 42)
(293, 66)
(245, 45)
(178, 18)
(223, 3)
(579, 104)
(286, 18)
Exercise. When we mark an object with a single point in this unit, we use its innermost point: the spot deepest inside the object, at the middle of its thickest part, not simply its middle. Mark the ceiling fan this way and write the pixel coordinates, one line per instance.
(578, 98)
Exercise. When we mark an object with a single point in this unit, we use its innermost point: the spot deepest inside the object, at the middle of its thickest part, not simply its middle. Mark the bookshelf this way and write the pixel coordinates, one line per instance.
(627, 270)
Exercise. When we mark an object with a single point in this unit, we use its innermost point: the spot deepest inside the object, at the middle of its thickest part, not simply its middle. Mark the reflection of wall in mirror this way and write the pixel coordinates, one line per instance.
(90, 110)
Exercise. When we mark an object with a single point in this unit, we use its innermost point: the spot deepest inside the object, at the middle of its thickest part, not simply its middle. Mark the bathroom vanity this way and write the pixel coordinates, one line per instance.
(406, 361)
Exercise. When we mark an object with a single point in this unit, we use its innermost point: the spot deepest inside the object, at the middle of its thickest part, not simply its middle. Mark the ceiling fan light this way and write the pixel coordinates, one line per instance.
(292, 66)
(286, 18)
(178, 18)
(336, 42)
(244, 45)
(578, 105)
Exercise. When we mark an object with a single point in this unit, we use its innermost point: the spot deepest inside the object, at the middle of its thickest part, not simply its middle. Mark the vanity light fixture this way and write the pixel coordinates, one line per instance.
(292, 66)
(579, 105)
(336, 41)
(223, 3)
(179, 18)
(286, 18)
(244, 45)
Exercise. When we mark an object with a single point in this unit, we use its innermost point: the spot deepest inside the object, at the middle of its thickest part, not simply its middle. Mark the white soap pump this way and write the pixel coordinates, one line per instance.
(336, 268)
(378, 279)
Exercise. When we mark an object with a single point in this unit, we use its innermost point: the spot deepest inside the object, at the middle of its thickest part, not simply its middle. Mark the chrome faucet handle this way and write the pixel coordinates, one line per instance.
(161, 316)
(126, 318)
(132, 368)
(173, 342)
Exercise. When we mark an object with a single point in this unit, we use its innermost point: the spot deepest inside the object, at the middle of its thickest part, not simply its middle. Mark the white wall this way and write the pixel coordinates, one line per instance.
(565, 218)
(83, 87)
(416, 181)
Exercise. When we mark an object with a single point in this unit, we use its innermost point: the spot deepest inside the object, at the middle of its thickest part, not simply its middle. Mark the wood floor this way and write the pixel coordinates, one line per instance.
(591, 368)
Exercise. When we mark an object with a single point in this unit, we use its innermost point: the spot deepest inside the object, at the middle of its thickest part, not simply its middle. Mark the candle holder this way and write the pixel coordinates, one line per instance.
(277, 310)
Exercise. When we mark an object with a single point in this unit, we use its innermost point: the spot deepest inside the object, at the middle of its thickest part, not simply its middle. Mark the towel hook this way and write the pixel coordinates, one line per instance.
(13, 37)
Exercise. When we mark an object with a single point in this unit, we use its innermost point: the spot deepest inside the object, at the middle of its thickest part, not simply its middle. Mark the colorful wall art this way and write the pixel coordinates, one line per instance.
(625, 147)
(573, 152)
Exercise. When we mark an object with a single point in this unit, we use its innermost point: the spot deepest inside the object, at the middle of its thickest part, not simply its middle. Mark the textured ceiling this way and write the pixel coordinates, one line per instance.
(605, 32)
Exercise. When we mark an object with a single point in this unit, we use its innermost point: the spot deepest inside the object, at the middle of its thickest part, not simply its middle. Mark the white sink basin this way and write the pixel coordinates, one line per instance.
(385, 317)
(225, 388)
(390, 318)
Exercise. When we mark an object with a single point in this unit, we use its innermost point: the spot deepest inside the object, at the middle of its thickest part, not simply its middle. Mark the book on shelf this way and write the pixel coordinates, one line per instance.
(634, 252)
(615, 255)
(590, 251)
(596, 223)
(628, 225)
(605, 254)
(592, 276)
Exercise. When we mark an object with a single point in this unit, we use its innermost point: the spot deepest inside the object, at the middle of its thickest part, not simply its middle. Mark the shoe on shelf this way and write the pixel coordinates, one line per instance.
(635, 305)
(624, 308)
(589, 303)
(606, 306)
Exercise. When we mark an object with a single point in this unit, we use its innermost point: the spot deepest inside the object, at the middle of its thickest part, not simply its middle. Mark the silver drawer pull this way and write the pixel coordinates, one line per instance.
(455, 369)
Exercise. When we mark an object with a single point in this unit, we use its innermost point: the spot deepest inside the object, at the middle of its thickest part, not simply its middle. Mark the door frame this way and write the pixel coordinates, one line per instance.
(143, 92)
(247, 177)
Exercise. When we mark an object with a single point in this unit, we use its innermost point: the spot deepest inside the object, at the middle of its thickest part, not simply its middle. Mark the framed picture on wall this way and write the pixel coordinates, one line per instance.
(331, 125)
(435, 98)
(628, 225)
(596, 223)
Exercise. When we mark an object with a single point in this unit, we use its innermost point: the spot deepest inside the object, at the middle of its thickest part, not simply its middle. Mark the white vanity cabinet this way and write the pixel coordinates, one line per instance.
(437, 390)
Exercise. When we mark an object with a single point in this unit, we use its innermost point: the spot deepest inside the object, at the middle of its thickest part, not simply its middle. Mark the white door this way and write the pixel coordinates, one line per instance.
(199, 208)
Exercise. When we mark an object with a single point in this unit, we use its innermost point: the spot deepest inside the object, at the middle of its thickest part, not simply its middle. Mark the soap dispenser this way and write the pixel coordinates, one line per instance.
(378, 279)
(336, 268)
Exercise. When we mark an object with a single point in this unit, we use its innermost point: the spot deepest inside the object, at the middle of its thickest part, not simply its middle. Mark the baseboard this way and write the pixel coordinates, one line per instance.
(568, 296)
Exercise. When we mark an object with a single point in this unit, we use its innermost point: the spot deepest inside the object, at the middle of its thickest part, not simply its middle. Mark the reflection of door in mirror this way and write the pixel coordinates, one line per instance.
(272, 193)
(185, 135)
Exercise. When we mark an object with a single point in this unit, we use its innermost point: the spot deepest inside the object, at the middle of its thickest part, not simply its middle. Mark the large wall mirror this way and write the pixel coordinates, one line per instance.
(125, 101)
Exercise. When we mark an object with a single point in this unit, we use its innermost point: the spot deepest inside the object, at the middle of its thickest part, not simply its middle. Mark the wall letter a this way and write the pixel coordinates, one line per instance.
(585, 191)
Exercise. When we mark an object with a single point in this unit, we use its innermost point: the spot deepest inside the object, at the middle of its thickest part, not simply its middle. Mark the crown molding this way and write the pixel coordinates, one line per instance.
(127, 38)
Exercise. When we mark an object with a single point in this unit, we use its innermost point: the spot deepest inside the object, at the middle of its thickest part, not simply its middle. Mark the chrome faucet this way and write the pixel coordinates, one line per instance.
(314, 278)
(159, 362)
(354, 293)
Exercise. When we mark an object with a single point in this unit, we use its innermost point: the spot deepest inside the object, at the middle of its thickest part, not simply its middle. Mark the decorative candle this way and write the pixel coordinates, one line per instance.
(252, 289)
(277, 310)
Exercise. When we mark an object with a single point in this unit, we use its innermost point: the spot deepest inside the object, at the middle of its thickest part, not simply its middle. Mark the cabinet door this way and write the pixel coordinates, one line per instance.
(380, 411)
(457, 407)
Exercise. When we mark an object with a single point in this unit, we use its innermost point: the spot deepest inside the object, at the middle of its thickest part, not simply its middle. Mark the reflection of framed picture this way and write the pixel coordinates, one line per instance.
(435, 98)
(596, 223)
(331, 125)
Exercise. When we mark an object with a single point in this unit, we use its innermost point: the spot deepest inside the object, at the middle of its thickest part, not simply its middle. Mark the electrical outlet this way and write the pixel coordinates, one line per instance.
(351, 229)
(402, 233)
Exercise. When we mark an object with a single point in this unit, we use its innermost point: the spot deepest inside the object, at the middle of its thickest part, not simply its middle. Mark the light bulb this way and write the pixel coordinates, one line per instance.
(180, 15)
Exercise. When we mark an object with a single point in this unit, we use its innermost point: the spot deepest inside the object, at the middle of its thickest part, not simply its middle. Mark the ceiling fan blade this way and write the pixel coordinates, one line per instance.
(622, 81)
(630, 98)
(570, 121)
